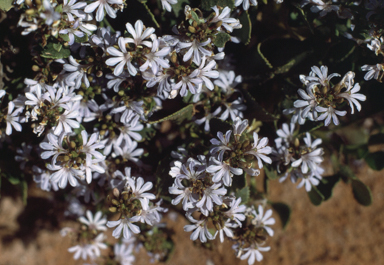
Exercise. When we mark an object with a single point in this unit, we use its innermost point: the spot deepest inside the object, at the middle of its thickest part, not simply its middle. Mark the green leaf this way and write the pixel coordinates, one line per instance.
(375, 160)
(217, 125)
(327, 184)
(64, 37)
(221, 39)
(358, 150)
(257, 111)
(176, 8)
(294, 61)
(270, 173)
(51, 52)
(347, 172)
(13, 179)
(361, 192)
(147, 133)
(185, 113)
(243, 194)
(284, 212)
(6, 5)
(82, 39)
(244, 34)
(207, 4)
(57, 46)
(315, 196)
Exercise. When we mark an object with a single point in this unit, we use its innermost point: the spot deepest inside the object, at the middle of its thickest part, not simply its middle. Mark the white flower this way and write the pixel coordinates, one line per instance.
(78, 74)
(260, 150)
(123, 253)
(166, 4)
(246, 3)
(65, 122)
(206, 72)
(308, 141)
(94, 222)
(201, 230)
(227, 81)
(285, 134)
(309, 160)
(207, 118)
(139, 191)
(121, 58)
(49, 13)
(189, 82)
(253, 253)
(239, 127)
(308, 181)
(223, 171)
(184, 193)
(308, 103)
(236, 211)
(263, 220)
(352, 97)
(101, 5)
(196, 49)
(97, 243)
(128, 151)
(155, 58)
(89, 146)
(63, 175)
(124, 225)
(227, 22)
(72, 8)
(13, 118)
(138, 35)
(221, 145)
(328, 114)
(128, 132)
(211, 194)
(72, 32)
(322, 76)
(373, 71)
(54, 146)
(84, 251)
(227, 230)
(234, 109)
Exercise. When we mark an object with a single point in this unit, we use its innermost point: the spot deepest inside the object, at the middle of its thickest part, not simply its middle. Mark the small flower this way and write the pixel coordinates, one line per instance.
(253, 253)
(260, 150)
(13, 119)
(155, 58)
(196, 49)
(211, 194)
(94, 222)
(49, 13)
(124, 225)
(101, 5)
(309, 160)
(227, 81)
(121, 58)
(123, 253)
(72, 8)
(239, 127)
(262, 220)
(206, 72)
(223, 171)
(207, 118)
(84, 251)
(352, 97)
(78, 74)
(322, 77)
(373, 71)
(65, 121)
(221, 145)
(201, 230)
(139, 189)
(138, 35)
(236, 211)
(328, 114)
(246, 3)
(166, 4)
(227, 22)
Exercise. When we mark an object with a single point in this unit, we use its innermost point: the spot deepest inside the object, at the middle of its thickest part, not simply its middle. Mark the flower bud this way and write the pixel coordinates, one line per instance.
(191, 29)
(116, 192)
(112, 209)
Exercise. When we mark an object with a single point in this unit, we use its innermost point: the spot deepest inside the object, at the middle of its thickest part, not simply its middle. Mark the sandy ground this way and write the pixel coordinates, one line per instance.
(339, 231)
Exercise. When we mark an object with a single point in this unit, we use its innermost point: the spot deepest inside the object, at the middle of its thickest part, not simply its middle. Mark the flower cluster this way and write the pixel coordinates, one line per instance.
(320, 99)
(300, 161)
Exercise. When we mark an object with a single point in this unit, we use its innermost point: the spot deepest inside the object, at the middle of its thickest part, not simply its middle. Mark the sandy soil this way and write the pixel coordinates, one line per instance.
(339, 231)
